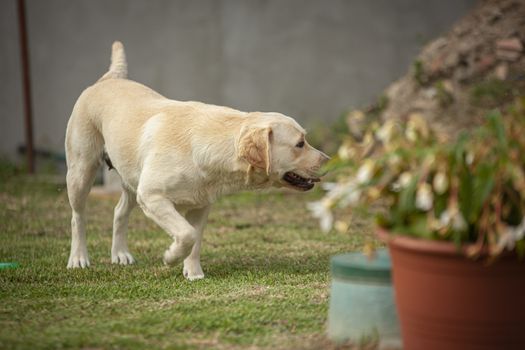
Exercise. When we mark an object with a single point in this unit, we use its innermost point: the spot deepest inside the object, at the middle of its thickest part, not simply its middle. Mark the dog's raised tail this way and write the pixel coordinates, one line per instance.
(119, 67)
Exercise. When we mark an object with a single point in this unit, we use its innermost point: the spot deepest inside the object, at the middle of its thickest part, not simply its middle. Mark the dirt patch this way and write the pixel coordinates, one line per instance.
(475, 67)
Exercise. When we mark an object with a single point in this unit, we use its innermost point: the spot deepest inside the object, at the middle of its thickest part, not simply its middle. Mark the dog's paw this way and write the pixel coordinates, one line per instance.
(78, 261)
(193, 272)
(175, 254)
(122, 258)
(171, 259)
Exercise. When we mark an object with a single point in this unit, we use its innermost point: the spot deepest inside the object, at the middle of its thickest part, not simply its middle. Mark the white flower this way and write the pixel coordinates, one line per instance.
(440, 183)
(424, 197)
(452, 218)
(396, 186)
(352, 197)
(386, 131)
(469, 159)
(520, 230)
(348, 193)
(346, 151)
(416, 127)
(458, 222)
(394, 160)
(343, 153)
(411, 134)
(402, 182)
(365, 172)
(506, 240)
(444, 219)
(329, 186)
(405, 179)
(321, 210)
(511, 235)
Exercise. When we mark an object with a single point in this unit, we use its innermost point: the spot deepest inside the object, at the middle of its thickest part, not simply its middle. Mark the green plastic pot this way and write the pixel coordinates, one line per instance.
(8, 265)
(362, 302)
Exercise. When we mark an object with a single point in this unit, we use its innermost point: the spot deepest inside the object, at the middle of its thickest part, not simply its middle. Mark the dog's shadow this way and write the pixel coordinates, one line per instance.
(265, 265)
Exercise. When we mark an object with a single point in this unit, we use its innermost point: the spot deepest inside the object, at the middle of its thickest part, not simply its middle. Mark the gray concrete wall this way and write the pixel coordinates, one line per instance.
(308, 59)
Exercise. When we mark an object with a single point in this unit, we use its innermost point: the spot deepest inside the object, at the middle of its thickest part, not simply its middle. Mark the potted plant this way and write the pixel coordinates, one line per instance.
(452, 215)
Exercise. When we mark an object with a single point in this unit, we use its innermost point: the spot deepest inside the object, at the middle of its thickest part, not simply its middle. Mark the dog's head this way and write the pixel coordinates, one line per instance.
(276, 144)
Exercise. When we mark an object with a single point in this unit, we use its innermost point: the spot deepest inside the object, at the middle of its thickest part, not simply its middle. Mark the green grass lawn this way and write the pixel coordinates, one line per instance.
(266, 286)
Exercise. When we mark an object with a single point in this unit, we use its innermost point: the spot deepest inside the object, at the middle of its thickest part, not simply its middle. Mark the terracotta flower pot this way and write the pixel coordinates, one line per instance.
(447, 301)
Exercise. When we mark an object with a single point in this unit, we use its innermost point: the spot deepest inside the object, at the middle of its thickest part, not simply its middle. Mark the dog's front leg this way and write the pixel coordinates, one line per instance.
(192, 264)
(161, 210)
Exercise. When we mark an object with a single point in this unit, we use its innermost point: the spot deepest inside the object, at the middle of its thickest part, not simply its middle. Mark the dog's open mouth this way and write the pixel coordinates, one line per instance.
(300, 182)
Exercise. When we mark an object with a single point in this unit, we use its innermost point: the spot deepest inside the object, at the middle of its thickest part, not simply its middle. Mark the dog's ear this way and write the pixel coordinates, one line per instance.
(255, 147)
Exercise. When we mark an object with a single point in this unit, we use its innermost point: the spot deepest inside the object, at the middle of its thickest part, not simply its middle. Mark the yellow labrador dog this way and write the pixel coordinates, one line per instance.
(175, 159)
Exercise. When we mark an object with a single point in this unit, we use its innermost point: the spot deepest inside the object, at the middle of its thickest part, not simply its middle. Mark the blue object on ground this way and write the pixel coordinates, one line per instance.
(8, 265)
(362, 300)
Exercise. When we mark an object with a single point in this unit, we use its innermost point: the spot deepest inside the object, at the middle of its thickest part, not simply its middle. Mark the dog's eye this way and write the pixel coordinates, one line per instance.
(300, 144)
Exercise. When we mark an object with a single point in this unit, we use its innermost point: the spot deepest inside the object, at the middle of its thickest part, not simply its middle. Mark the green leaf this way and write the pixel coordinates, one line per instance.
(497, 127)
(466, 193)
(419, 226)
(383, 220)
(483, 185)
(407, 197)
(458, 151)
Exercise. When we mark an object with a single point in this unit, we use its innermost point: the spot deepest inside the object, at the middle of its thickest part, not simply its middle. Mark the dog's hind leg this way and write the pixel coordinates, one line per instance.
(119, 249)
(79, 180)
(192, 264)
(84, 147)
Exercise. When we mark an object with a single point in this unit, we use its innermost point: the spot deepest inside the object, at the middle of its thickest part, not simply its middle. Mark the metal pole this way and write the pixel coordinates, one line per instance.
(26, 84)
